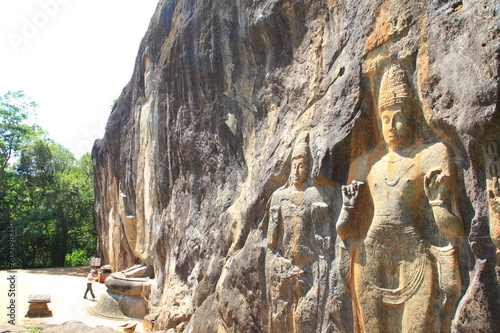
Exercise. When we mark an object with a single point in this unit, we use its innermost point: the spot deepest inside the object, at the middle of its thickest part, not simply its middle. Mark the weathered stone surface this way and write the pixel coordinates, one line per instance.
(201, 140)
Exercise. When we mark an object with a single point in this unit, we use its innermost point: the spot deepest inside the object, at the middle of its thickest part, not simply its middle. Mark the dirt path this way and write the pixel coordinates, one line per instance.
(65, 286)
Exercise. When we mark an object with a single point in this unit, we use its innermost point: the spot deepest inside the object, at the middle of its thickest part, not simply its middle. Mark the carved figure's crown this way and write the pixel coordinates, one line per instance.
(394, 88)
(301, 148)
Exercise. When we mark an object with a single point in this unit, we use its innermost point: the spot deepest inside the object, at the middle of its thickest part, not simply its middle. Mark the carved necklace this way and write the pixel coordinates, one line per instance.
(403, 169)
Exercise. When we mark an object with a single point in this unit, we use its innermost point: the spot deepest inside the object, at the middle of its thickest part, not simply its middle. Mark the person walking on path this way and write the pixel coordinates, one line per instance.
(90, 280)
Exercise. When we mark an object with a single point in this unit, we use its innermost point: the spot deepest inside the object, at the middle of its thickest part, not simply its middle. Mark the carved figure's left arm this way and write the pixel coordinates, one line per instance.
(440, 190)
(450, 224)
(321, 214)
(273, 229)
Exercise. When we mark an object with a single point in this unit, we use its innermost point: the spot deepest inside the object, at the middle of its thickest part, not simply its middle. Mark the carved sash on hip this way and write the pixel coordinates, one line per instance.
(447, 265)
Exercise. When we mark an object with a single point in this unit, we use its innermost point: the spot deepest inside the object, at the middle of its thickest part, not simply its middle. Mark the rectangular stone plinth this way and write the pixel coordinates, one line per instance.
(39, 306)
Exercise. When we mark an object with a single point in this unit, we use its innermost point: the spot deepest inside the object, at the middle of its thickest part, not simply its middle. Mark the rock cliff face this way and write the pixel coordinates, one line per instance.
(192, 175)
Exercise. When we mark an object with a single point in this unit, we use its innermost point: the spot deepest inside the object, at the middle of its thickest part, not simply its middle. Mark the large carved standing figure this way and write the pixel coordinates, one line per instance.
(299, 244)
(404, 267)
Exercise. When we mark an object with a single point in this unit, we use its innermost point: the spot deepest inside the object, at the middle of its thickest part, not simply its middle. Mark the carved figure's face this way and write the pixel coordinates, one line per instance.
(396, 126)
(299, 171)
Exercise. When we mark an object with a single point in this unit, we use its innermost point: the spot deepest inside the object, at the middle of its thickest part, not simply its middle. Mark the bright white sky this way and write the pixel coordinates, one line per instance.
(73, 58)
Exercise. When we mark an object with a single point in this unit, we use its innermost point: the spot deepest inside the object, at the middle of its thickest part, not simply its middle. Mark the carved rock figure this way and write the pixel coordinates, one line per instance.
(404, 269)
(299, 242)
(493, 187)
(146, 196)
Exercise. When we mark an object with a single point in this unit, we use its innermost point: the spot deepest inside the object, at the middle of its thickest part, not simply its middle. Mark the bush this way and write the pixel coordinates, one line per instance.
(77, 258)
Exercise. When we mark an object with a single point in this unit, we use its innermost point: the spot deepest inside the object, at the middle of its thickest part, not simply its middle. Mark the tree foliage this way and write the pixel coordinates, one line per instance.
(15, 110)
(47, 195)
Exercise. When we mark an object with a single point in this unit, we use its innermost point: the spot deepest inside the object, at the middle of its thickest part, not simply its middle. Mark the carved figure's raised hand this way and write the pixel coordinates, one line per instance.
(492, 160)
(350, 193)
(435, 187)
(494, 195)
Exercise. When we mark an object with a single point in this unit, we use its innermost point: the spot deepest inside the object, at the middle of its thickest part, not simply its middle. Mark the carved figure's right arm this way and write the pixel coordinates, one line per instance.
(344, 222)
(350, 194)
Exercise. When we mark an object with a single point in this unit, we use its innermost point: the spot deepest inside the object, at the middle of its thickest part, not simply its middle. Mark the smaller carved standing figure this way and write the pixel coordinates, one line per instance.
(493, 187)
(404, 268)
(298, 240)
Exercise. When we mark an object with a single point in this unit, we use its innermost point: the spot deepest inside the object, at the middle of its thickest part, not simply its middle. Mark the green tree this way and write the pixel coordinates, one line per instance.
(82, 237)
(15, 110)
(47, 195)
(15, 131)
(58, 199)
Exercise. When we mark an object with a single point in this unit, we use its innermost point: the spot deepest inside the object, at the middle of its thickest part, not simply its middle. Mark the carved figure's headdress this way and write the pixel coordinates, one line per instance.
(394, 88)
(301, 148)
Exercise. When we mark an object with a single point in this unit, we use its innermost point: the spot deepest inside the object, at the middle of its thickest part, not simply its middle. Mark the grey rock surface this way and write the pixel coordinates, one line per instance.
(203, 134)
